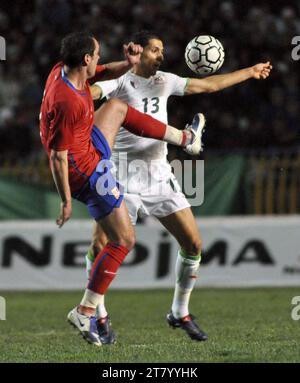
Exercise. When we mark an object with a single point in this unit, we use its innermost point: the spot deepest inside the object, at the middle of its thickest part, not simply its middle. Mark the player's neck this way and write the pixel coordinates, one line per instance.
(76, 76)
(141, 72)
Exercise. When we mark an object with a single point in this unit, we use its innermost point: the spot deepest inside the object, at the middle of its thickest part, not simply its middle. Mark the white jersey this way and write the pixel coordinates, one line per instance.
(150, 96)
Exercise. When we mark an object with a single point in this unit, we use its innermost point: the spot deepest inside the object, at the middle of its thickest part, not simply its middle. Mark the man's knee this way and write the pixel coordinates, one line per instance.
(193, 247)
(127, 239)
(117, 106)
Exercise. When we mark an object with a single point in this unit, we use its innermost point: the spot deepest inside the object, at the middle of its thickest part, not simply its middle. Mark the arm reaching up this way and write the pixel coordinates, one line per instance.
(132, 53)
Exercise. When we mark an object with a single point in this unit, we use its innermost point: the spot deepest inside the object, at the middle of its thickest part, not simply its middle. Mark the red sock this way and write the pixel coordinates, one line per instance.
(106, 266)
(143, 125)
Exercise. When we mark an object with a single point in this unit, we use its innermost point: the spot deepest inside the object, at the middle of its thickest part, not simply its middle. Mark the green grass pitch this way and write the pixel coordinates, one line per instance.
(244, 325)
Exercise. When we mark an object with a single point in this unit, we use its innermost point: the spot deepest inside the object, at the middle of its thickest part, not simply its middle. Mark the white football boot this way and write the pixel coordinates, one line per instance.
(197, 129)
(87, 326)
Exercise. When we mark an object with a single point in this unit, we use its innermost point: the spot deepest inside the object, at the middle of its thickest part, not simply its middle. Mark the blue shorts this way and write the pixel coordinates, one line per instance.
(102, 193)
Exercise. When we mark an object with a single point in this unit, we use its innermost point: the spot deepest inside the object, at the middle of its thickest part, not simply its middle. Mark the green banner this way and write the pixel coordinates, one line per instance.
(223, 178)
(23, 201)
(223, 193)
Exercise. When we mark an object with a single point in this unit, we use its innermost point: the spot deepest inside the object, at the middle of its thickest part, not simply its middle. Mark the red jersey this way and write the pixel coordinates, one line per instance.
(66, 122)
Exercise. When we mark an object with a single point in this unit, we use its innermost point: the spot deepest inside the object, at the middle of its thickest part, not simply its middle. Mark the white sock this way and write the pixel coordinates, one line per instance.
(186, 272)
(92, 299)
(177, 137)
(101, 311)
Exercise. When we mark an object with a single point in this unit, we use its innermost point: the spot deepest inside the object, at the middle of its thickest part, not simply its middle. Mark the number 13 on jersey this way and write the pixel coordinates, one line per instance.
(152, 104)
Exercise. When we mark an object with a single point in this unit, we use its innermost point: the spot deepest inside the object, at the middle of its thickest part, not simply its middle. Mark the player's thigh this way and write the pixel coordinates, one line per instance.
(109, 117)
(118, 227)
(182, 225)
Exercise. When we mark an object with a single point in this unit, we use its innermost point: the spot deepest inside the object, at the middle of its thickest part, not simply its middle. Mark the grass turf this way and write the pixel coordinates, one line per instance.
(244, 325)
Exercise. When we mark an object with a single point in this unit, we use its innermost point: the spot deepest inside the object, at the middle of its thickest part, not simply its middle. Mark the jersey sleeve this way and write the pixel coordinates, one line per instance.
(108, 88)
(177, 84)
(63, 119)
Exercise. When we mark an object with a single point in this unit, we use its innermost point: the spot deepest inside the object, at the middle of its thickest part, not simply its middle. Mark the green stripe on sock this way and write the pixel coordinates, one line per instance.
(185, 255)
(90, 255)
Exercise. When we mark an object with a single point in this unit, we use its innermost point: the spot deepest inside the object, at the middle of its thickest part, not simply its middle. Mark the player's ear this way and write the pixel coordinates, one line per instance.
(86, 60)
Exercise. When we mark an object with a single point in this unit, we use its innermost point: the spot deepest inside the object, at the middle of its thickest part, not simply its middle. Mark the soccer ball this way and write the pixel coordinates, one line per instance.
(204, 55)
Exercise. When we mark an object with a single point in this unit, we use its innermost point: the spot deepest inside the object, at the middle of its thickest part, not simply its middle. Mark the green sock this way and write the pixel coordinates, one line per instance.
(90, 255)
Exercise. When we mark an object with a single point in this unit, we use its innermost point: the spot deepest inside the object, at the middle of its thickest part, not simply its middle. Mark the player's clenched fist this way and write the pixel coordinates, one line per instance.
(132, 53)
(261, 71)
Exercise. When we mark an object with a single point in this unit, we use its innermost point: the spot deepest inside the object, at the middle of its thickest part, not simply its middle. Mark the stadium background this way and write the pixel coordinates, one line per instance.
(252, 167)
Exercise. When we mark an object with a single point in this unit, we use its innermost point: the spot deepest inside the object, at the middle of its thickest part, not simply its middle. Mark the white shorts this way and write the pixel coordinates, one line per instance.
(152, 191)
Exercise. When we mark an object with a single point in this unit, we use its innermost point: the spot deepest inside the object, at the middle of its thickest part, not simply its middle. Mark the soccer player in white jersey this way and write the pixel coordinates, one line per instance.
(147, 89)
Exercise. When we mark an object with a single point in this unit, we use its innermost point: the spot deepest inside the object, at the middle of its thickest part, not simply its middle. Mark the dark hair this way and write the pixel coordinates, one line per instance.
(142, 37)
(75, 46)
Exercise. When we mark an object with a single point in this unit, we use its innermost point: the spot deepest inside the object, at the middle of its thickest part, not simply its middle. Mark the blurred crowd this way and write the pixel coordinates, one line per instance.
(253, 115)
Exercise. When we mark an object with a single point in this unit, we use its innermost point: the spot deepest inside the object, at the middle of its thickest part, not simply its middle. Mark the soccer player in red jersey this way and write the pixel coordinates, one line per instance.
(83, 172)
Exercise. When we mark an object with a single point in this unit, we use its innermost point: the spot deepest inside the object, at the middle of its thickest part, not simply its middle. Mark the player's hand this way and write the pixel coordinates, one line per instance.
(65, 213)
(261, 71)
(132, 53)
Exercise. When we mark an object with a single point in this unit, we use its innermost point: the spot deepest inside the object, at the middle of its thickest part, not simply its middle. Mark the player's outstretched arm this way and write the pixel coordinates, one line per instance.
(59, 169)
(132, 53)
(222, 81)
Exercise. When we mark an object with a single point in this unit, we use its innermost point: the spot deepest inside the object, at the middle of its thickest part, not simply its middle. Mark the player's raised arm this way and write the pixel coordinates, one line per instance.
(116, 69)
(59, 169)
(222, 81)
